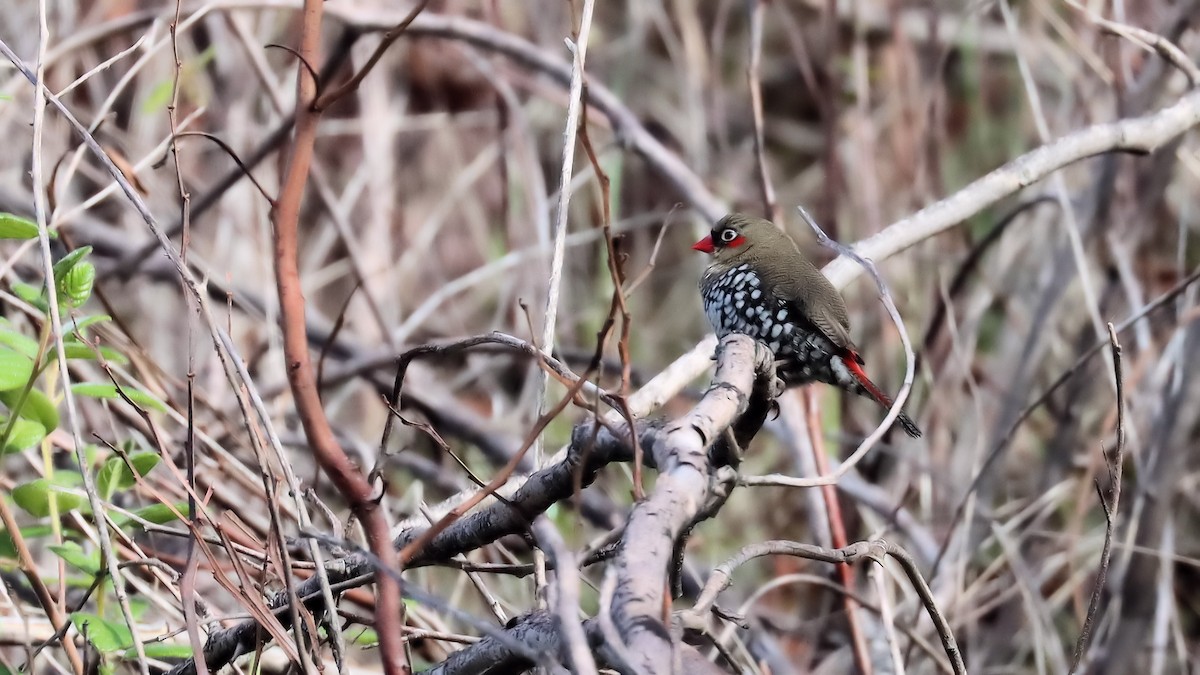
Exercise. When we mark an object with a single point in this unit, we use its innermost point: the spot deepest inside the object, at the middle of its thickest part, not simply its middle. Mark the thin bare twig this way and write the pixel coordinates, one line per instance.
(619, 302)
(995, 453)
(220, 143)
(187, 585)
(566, 605)
(756, 8)
(329, 98)
(837, 532)
(885, 296)
(578, 48)
(28, 566)
(1115, 463)
(1149, 40)
(645, 274)
(876, 550)
(42, 217)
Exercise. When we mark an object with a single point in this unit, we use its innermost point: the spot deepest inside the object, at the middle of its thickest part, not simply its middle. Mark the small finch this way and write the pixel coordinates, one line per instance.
(760, 284)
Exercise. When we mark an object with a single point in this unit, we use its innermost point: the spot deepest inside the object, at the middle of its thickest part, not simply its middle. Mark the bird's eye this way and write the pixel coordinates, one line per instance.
(728, 236)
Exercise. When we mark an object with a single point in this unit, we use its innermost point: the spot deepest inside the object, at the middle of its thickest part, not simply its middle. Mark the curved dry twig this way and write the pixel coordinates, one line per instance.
(1110, 502)
(909, 358)
(875, 550)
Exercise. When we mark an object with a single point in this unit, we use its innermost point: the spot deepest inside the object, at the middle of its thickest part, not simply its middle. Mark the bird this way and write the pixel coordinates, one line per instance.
(760, 284)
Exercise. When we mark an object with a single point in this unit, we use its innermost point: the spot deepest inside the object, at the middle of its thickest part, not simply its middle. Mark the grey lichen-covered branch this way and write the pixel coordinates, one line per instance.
(683, 486)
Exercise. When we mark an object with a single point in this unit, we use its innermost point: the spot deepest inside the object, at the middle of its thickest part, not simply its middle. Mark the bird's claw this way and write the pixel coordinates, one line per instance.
(778, 386)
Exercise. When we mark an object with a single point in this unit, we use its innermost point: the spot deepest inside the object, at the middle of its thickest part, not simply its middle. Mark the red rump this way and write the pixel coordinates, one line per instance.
(853, 364)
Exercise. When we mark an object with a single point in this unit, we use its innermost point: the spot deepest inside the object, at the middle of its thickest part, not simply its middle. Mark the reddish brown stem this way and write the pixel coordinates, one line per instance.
(350, 482)
(837, 534)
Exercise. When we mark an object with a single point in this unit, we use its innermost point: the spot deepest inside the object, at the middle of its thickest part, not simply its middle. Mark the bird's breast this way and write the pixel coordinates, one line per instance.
(736, 300)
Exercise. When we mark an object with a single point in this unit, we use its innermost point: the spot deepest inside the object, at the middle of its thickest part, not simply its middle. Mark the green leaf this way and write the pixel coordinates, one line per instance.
(16, 227)
(11, 337)
(72, 478)
(31, 294)
(115, 474)
(110, 391)
(365, 637)
(80, 324)
(37, 407)
(25, 434)
(77, 351)
(75, 556)
(159, 97)
(107, 636)
(68, 261)
(76, 285)
(15, 369)
(155, 513)
(161, 650)
(35, 497)
(161, 513)
(8, 547)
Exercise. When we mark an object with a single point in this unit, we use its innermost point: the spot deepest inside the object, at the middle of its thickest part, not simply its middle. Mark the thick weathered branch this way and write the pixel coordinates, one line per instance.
(683, 486)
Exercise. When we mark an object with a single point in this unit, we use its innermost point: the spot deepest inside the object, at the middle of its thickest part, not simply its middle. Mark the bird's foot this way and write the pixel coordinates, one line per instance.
(778, 386)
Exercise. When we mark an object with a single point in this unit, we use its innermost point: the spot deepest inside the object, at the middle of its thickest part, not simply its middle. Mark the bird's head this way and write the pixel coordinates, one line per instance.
(737, 236)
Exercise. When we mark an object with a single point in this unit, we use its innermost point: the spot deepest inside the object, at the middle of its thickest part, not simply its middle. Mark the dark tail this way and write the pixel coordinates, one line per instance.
(853, 364)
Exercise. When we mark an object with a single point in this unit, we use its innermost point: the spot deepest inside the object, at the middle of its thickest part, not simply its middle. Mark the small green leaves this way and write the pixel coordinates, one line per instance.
(36, 407)
(35, 497)
(24, 434)
(74, 278)
(78, 325)
(8, 548)
(77, 351)
(106, 636)
(115, 474)
(155, 513)
(69, 260)
(23, 344)
(16, 227)
(15, 369)
(30, 293)
(76, 557)
(110, 391)
(161, 650)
